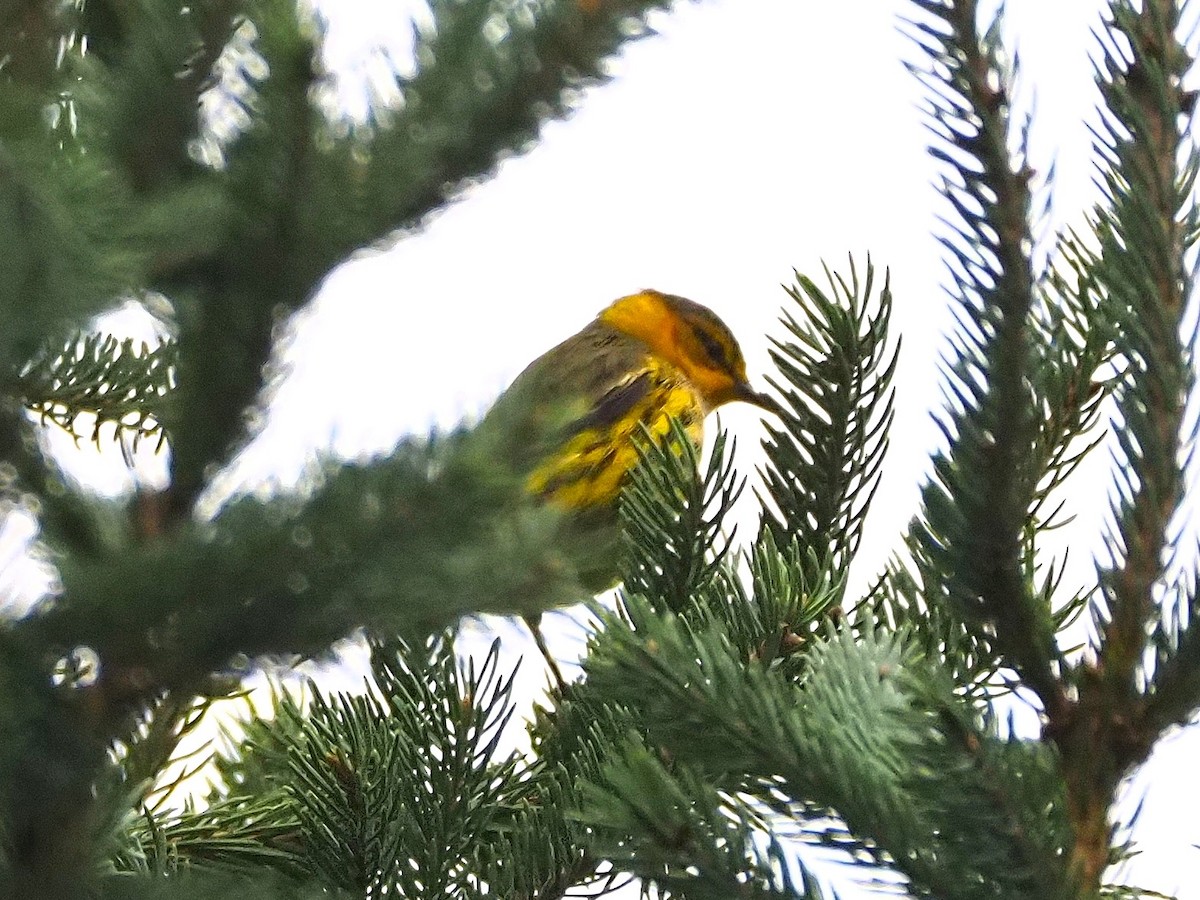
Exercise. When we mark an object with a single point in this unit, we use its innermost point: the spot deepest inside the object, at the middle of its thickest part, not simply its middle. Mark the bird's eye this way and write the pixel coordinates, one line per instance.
(713, 348)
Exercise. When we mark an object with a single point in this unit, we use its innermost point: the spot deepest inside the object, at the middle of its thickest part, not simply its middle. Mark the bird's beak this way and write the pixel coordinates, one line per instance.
(747, 394)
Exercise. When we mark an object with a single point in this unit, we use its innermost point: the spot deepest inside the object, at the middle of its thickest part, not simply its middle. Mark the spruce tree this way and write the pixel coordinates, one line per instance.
(737, 704)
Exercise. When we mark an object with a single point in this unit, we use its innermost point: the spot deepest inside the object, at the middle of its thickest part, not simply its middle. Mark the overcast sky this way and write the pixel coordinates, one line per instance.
(750, 138)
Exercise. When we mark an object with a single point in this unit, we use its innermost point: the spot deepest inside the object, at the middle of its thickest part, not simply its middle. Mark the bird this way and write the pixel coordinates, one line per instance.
(572, 422)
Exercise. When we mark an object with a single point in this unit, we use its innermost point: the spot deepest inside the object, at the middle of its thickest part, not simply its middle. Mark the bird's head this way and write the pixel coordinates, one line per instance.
(690, 337)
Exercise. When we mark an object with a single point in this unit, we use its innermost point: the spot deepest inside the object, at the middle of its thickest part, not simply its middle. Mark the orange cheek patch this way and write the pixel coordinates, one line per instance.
(716, 390)
(648, 317)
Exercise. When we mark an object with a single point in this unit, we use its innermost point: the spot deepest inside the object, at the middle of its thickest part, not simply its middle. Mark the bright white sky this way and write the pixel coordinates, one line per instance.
(751, 137)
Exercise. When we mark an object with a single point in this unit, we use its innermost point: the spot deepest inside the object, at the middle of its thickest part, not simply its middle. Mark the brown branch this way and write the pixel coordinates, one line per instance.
(1024, 633)
(1106, 735)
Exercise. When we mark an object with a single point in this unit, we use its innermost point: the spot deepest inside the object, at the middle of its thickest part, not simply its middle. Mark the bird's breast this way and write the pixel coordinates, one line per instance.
(600, 449)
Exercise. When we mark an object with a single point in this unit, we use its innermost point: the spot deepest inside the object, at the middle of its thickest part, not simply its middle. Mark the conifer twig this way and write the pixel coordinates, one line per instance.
(163, 98)
(1144, 234)
(977, 506)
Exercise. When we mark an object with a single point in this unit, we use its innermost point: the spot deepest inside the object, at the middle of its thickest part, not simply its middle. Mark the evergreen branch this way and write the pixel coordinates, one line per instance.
(120, 383)
(1070, 347)
(151, 745)
(72, 246)
(672, 829)
(69, 520)
(671, 517)
(80, 235)
(228, 304)
(1149, 226)
(871, 734)
(401, 789)
(1175, 682)
(237, 834)
(824, 460)
(393, 794)
(157, 59)
(793, 597)
(477, 98)
(147, 67)
(207, 884)
(912, 596)
(487, 77)
(47, 760)
(978, 781)
(306, 199)
(67, 246)
(403, 545)
(677, 557)
(251, 758)
(133, 797)
(30, 31)
(1073, 346)
(977, 504)
(1145, 231)
(574, 741)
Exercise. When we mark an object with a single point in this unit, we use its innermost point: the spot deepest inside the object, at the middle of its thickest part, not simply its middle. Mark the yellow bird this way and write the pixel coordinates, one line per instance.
(571, 422)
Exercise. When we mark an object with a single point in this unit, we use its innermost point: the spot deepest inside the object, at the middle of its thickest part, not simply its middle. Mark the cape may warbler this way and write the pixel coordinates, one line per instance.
(572, 421)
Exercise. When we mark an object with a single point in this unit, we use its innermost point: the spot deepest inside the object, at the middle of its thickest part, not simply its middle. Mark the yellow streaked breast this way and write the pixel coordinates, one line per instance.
(594, 460)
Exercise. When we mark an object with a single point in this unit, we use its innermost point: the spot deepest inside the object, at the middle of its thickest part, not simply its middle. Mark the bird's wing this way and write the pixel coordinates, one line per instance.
(572, 421)
(621, 388)
(617, 402)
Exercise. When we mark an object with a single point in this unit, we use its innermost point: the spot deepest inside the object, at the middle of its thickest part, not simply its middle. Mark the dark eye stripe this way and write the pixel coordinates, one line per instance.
(715, 349)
